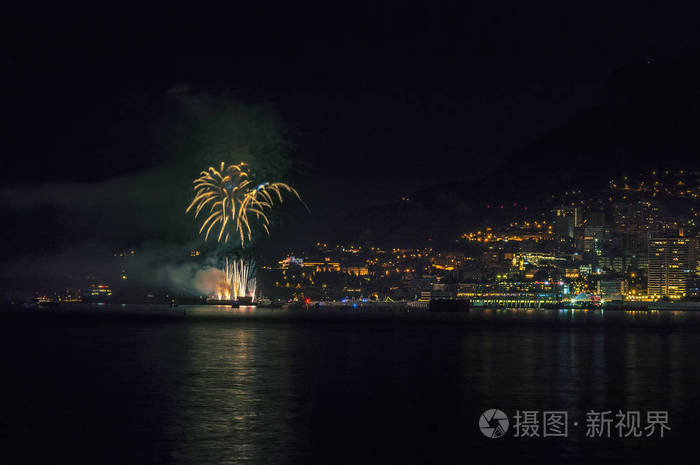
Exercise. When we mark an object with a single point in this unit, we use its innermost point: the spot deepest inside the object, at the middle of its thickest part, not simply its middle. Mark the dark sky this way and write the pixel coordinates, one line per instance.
(380, 100)
(360, 83)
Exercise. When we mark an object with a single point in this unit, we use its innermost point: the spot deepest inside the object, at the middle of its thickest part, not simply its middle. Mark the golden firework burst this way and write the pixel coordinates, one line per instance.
(233, 203)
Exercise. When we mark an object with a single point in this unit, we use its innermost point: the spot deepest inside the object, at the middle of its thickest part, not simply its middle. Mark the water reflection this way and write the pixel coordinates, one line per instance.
(231, 386)
(235, 401)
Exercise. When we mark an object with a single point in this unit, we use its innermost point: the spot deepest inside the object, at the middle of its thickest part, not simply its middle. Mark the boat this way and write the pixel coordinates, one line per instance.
(242, 301)
(43, 302)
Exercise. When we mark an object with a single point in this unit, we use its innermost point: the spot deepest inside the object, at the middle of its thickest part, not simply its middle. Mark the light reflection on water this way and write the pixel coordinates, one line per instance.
(476, 314)
(275, 386)
(236, 395)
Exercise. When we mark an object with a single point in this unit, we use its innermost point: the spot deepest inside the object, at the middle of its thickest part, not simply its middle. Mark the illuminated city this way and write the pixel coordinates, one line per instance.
(609, 249)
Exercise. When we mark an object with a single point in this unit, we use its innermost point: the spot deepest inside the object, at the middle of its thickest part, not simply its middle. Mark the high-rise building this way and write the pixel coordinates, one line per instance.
(668, 266)
(567, 219)
(612, 289)
(593, 238)
(564, 227)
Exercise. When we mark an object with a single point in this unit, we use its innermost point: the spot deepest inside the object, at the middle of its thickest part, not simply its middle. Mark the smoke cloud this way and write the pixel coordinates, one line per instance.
(57, 231)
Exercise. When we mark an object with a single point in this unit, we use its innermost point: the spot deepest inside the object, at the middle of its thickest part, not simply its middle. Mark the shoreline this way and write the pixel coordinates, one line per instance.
(413, 306)
(368, 318)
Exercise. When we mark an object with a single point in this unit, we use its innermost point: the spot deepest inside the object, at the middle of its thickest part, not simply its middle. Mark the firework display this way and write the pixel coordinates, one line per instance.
(239, 279)
(233, 203)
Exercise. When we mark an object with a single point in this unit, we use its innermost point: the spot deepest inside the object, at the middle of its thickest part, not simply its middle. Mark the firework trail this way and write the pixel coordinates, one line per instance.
(239, 280)
(233, 202)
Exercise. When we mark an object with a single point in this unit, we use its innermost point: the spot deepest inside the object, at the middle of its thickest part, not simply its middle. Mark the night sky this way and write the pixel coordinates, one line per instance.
(376, 102)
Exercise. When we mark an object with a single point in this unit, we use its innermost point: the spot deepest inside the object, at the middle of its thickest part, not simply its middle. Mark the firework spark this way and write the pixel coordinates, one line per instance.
(231, 200)
(239, 276)
(239, 280)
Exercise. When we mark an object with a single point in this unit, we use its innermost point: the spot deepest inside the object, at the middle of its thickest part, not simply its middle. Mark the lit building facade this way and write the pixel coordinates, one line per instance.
(668, 266)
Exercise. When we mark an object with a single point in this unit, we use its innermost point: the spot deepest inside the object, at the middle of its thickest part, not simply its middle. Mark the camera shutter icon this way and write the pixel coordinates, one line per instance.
(493, 423)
